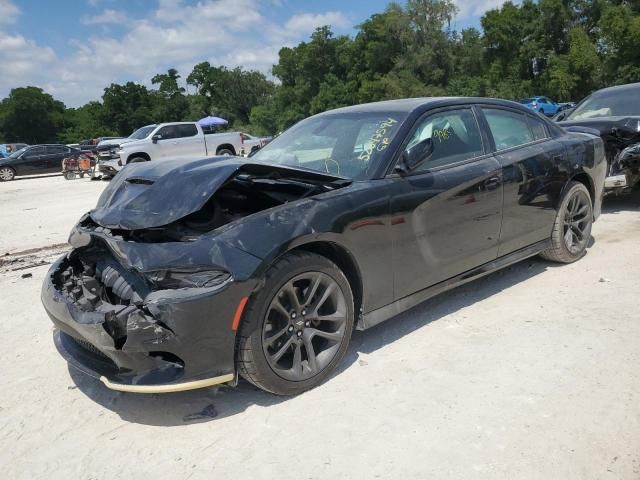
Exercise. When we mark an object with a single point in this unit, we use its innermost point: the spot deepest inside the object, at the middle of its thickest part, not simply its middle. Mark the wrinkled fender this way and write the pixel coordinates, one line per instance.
(364, 238)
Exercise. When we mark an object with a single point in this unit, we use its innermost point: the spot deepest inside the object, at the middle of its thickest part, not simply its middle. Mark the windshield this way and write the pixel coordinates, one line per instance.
(527, 100)
(142, 132)
(612, 103)
(17, 153)
(346, 144)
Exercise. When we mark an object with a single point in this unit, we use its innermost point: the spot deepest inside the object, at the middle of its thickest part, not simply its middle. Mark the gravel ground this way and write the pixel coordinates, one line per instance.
(530, 373)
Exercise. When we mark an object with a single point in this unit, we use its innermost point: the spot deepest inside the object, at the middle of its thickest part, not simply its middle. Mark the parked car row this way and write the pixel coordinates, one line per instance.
(179, 140)
(34, 160)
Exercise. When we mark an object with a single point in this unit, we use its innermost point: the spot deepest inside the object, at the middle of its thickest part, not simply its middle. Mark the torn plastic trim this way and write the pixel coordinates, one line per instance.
(168, 388)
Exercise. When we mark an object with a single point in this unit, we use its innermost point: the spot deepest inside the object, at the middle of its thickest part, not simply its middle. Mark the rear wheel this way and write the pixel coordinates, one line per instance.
(7, 174)
(297, 328)
(225, 152)
(69, 175)
(572, 228)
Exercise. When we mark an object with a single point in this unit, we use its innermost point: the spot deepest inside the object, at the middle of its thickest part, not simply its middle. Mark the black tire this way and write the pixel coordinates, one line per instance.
(69, 176)
(137, 160)
(572, 227)
(7, 174)
(225, 152)
(255, 338)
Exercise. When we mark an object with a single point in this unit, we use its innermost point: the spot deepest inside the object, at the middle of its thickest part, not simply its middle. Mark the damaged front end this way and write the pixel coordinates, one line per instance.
(146, 300)
(624, 169)
(621, 136)
(132, 330)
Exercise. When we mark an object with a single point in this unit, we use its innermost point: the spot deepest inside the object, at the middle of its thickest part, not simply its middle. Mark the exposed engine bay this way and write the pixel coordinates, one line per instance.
(243, 194)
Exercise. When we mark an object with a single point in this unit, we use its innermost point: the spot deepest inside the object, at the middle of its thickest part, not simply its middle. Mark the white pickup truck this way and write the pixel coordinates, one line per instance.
(172, 141)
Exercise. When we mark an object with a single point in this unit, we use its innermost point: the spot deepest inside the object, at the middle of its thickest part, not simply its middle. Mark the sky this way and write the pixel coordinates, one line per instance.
(73, 49)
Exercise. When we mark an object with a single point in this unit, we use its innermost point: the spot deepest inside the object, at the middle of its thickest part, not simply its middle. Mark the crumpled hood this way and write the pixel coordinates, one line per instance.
(624, 129)
(155, 194)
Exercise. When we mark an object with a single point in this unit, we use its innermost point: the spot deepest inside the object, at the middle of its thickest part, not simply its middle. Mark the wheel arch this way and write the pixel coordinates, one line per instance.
(586, 180)
(139, 154)
(226, 146)
(345, 261)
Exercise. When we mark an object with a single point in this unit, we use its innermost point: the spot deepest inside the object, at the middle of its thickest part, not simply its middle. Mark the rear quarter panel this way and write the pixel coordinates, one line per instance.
(586, 154)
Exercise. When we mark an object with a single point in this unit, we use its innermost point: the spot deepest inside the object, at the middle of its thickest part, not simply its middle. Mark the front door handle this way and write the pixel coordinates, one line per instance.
(492, 183)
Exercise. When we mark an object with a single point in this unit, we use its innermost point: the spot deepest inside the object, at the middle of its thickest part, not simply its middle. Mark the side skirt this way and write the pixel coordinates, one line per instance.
(381, 314)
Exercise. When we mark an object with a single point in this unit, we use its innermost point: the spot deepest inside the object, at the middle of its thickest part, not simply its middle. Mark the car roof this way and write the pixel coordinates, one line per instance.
(173, 123)
(410, 104)
(49, 145)
(628, 86)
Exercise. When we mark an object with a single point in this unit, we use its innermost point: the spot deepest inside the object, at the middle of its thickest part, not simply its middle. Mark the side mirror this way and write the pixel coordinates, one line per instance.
(254, 150)
(415, 156)
(156, 137)
(563, 114)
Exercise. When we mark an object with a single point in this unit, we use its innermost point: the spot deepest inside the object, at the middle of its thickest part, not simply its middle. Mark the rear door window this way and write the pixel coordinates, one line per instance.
(187, 130)
(509, 129)
(538, 128)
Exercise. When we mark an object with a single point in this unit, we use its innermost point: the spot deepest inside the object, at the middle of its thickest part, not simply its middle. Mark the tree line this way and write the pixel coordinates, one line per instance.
(564, 49)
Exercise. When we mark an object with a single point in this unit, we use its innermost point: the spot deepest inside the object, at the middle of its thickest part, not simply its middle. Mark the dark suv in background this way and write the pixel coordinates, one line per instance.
(35, 160)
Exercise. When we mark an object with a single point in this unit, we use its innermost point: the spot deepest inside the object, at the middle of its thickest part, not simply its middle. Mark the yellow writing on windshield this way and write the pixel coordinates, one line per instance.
(379, 141)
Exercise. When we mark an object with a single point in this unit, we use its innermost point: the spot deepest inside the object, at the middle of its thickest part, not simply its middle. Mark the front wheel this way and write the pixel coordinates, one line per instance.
(225, 152)
(297, 328)
(137, 160)
(572, 228)
(7, 174)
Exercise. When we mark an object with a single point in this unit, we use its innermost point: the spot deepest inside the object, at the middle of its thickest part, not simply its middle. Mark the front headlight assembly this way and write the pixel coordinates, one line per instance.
(167, 279)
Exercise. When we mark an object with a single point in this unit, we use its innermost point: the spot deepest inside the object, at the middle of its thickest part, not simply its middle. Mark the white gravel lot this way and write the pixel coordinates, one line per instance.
(530, 373)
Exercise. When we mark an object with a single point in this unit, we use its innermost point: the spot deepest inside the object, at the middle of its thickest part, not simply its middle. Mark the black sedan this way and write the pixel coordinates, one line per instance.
(187, 274)
(614, 114)
(35, 160)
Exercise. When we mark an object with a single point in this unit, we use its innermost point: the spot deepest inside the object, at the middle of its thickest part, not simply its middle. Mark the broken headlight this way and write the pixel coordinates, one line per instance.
(175, 279)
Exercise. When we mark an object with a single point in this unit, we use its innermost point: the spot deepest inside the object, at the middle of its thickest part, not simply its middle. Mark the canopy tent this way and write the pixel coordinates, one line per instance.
(211, 121)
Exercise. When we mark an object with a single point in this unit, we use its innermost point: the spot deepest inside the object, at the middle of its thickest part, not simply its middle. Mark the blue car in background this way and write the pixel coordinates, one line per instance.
(542, 105)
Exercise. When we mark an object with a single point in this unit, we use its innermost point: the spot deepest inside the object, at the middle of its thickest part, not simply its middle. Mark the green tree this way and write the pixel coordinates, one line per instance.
(84, 123)
(126, 107)
(170, 103)
(32, 116)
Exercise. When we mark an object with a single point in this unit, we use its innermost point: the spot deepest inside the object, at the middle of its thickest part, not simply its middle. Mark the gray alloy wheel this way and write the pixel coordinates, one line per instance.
(224, 152)
(572, 228)
(304, 326)
(296, 329)
(69, 175)
(577, 222)
(7, 174)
